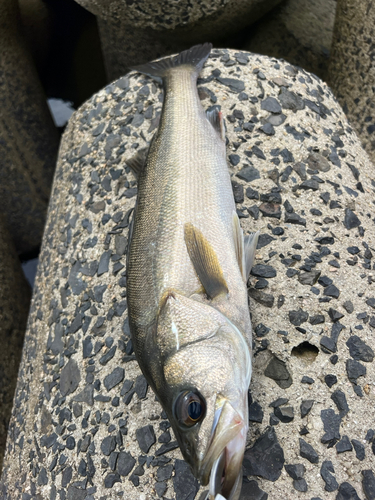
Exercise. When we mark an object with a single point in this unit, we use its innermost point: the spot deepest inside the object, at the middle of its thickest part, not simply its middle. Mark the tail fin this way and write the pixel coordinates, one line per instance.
(195, 57)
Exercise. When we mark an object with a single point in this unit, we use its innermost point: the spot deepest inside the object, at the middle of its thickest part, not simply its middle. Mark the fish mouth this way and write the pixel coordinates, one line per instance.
(222, 464)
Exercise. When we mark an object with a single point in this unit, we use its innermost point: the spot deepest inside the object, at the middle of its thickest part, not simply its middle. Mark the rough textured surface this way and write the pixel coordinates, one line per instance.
(93, 431)
(14, 306)
(28, 138)
(299, 31)
(352, 66)
(136, 32)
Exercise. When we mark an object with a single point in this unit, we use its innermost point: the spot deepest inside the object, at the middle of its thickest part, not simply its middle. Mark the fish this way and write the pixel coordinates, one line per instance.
(187, 268)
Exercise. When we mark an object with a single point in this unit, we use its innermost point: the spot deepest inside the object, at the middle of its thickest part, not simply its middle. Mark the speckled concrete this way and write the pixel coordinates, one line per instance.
(28, 138)
(299, 31)
(136, 32)
(84, 425)
(14, 306)
(352, 66)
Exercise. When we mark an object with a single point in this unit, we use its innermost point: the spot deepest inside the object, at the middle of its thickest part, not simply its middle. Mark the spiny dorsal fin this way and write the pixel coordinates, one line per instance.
(215, 117)
(137, 162)
(239, 245)
(250, 246)
(205, 262)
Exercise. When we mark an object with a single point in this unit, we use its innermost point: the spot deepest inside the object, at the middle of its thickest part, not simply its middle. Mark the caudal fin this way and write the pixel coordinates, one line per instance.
(195, 57)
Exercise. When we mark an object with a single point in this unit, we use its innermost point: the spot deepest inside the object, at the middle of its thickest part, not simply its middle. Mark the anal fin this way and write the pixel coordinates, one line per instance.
(205, 262)
(137, 162)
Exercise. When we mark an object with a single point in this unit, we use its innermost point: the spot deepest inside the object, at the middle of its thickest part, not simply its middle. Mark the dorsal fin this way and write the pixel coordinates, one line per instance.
(215, 117)
(137, 162)
(205, 262)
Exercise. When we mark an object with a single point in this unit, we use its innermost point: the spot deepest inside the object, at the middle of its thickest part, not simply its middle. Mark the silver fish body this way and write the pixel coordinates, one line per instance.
(186, 280)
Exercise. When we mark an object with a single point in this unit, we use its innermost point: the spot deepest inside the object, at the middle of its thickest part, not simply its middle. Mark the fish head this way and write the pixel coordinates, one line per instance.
(206, 374)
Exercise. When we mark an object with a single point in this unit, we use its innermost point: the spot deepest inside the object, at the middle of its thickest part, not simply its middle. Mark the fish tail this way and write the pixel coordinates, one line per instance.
(194, 58)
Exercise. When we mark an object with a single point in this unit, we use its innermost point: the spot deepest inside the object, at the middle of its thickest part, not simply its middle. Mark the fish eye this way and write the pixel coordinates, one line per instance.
(190, 408)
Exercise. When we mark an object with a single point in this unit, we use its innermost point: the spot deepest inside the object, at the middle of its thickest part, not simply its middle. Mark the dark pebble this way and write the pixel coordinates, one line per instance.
(317, 319)
(307, 380)
(294, 218)
(263, 271)
(368, 484)
(277, 371)
(354, 370)
(263, 298)
(347, 492)
(331, 422)
(295, 471)
(334, 315)
(252, 194)
(278, 402)
(344, 445)
(300, 485)
(108, 445)
(351, 220)
(339, 398)
(238, 192)
(184, 483)
(331, 291)
(308, 452)
(271, 104)
(306, 406)
(330, 380)
(248, 174)
(298, 317)
(255, 412)
(111, 479)
(359, 449)
(330, 481)
(309, 278)
(146, 437)
(359, 350)
(270, 210)
(261, 330)
(265, 458)
(251, 491)
(284, 413)
(254, 212)
(114, 378)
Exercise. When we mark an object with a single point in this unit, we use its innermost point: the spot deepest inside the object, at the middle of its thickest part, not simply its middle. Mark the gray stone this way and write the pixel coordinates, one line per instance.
(354, 85)
(28, 138)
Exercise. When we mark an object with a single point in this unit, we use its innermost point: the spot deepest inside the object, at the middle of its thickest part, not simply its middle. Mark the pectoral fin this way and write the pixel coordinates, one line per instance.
(137, 162)
(205, 262)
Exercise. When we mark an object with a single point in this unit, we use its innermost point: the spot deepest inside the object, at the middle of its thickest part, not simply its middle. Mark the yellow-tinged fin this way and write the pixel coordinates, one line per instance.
(195, 57)
(215, 117)
(137, 162)
(205, 262)
(250, 246)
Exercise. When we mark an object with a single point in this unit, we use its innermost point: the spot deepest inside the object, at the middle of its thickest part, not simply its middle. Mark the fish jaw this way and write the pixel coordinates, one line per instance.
(221, 467)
